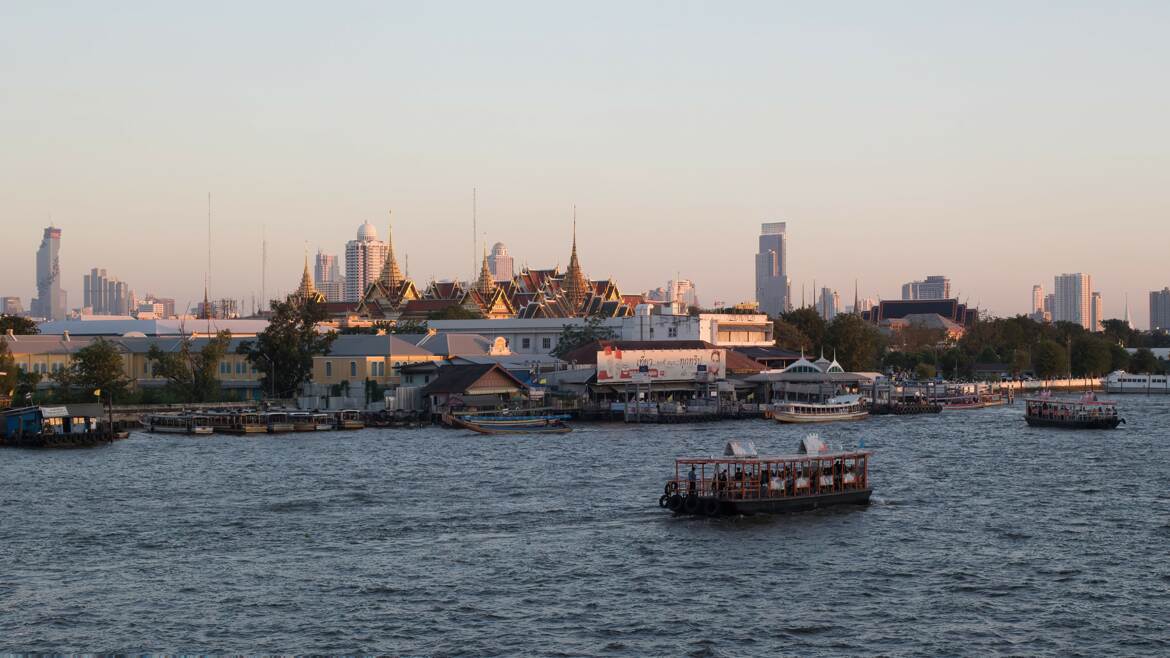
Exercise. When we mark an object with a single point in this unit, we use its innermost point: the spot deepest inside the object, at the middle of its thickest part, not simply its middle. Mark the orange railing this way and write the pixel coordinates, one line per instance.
(751, 479)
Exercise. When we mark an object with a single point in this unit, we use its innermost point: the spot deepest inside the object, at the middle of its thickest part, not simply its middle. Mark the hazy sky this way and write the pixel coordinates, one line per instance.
(997, 143)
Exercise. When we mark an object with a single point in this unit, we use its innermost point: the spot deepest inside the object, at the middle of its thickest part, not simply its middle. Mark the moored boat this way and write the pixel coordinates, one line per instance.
(1088, 413)
(1120, 381)
(349, 419)
(553, 424)
(302, 422)
(843, 407)
(277, 422)
(744, 482)
(177, 423)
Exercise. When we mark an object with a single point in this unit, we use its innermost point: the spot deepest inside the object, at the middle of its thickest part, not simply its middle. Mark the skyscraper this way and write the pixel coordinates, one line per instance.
(682, 292)
(1037, 298)
(932, 287)
(327, 277)
(364, 258)
(829, 303)
(50, 300)
(1096, 312)
(104, 295)
(1160, 309)
(1073, 302)
(772, 286)
(500, 263)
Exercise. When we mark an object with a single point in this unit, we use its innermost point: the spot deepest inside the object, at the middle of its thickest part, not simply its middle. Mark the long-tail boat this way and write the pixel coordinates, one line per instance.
(551, 424)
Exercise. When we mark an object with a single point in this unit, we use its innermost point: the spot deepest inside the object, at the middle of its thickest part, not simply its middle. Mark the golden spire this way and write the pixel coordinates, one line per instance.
(391, 275)
(306, 290)
(486, 283)
(576, 286)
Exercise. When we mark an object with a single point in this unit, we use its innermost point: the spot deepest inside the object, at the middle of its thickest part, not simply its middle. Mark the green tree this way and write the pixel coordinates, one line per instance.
(1118, 358)
(924, 371)
(11, 374)
(1020, 362)
(1143, 361)
(573, 337)
(789, 337)
(455, 312)
(857, 343)
(1119, 332)
(954, 362)
(810, 323)
(987, 355)
(1090, 356)
(284, 352)
(18, 325)
(1049, 360)
(98, 366)
(190, 373)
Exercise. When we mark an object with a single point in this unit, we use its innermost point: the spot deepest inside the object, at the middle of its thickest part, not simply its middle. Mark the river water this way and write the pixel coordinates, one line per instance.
(984, 536)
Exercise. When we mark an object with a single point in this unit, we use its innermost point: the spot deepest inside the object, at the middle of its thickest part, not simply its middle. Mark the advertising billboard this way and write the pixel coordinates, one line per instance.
(640, 366)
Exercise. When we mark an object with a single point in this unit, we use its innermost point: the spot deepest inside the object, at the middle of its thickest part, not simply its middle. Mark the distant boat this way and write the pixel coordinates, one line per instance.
(552, 424)
(1088, 413)
(1120, 381)
(844, 407)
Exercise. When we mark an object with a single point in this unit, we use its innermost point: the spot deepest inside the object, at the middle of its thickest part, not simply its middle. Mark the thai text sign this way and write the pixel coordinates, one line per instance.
(617, 365)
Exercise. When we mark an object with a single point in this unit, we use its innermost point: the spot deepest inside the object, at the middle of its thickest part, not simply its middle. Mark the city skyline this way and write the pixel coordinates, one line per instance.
(897, 146)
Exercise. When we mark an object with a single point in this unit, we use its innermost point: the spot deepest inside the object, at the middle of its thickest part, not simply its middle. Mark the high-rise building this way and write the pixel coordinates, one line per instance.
(682, 292)
(1160, 309)
(167, 303)
(1049, 305)
(104, 295)
(327, 277)
(1096, 312)
(11, 306)
(364, 258)
(1073, 301)
(772, 286)
(1037, 298)
(500, 263)
(932, 287)
(829, 303)
(50, 300)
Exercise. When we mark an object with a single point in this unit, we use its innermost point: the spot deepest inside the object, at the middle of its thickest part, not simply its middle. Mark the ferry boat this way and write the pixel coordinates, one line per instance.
(349, 419)
(302, 422)
(239, 422)
(177, 423)
(843, 407)
(744, 482)
(323, 422)
(553, 424)
(1088, 413)
(277, 422)
(1120, 381)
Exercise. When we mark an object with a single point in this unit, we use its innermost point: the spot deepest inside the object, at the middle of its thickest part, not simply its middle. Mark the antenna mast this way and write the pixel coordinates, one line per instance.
(263, 267)
(474, 231)
(207, 277)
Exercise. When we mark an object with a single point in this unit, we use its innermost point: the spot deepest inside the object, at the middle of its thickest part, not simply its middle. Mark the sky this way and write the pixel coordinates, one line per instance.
(998, 143)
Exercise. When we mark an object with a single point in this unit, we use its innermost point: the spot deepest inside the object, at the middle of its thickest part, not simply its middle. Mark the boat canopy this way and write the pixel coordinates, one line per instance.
(812, 445)
(740, 449)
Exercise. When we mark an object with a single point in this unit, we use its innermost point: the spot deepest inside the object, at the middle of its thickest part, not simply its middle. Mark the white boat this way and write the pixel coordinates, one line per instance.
(177, 423)
(1120, 381)
(842, 407)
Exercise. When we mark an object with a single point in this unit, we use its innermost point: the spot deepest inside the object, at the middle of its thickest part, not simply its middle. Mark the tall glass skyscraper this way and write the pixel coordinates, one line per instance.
(772, 286)
(50, 299)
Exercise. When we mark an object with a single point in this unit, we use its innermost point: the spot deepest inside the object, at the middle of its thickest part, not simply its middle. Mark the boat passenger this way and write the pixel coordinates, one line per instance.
(691, 480)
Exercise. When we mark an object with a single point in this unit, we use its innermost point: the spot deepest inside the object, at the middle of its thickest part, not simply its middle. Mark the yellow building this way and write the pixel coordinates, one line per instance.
(359, 358)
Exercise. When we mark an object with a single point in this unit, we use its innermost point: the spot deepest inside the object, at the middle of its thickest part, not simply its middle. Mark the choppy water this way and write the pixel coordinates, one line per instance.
(985, 536)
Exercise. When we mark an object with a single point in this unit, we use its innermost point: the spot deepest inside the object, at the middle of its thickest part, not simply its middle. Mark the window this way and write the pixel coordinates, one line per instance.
(145, 364)
(225, 368)
(672, 332)
(353, 368)
(525, 343)
(546, 343)
(240, 368)
(328, 368)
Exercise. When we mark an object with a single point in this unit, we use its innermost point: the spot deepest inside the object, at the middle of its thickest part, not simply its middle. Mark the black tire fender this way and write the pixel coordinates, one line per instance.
(674, 502)
(662, 500)
(691, 504)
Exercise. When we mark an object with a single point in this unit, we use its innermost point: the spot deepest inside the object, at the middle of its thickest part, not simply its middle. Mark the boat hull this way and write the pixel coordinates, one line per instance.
(1094, 424)
(786, 505)
(785, 417)
(554, 427)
